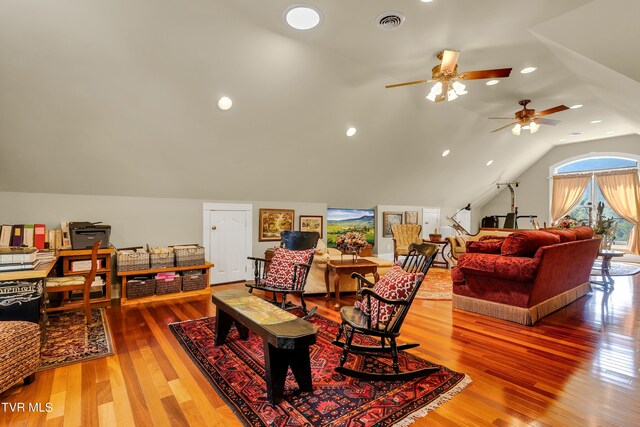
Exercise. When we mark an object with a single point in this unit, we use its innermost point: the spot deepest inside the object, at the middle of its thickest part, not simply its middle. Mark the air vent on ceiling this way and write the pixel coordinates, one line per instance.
(390, 20)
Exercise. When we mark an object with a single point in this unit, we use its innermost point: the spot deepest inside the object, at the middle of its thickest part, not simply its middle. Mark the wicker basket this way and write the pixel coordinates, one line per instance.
(138, 288)
(132, 260)
(164, 286)
(193, 282)
(189, 255)
(163, 260)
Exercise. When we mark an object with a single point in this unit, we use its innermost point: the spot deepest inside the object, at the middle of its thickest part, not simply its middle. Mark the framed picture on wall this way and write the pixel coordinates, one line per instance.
(274, 221)
(388, 219)
(311, 223)
(410, 217)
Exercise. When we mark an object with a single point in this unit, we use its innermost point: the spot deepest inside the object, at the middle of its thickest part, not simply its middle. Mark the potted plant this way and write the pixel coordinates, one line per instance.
(435, 236)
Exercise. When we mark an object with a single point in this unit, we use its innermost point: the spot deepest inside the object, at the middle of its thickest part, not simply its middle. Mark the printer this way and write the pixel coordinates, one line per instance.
(84, 234)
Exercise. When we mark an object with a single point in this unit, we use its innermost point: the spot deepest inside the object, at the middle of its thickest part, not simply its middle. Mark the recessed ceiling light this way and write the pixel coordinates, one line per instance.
(593, 122)
(528, 70)
(426, 1)
(611, 132)
(351, 131)
(302, 17)
(492, 82)
(563, 139)
(577, 133)
(445, 153)
(490, 162)
(574, 107)
(225, 103)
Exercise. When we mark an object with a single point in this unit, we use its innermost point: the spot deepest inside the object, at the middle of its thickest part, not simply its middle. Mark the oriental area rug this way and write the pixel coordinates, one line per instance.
(436, 285)
(236, 370)
(616, 269)
(71, 340)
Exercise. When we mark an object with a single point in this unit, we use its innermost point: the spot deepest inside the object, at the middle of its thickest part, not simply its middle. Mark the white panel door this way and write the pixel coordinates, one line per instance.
(227, 243)
(430, 221)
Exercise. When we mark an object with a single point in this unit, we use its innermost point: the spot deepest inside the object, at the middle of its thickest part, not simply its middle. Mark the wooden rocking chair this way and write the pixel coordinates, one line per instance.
(288, 269)
(379, 316)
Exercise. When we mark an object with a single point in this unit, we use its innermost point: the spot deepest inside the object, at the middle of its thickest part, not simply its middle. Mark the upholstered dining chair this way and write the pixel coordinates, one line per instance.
(403, 236)
(380, 311)
(67, 284)
(288, 269)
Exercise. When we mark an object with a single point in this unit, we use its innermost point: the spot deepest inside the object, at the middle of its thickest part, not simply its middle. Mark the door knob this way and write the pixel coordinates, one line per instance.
(214, 227)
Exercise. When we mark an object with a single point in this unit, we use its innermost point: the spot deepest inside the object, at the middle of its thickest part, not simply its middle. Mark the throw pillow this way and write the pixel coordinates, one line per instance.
(583, 233)
(565, 234)
(281, 268)
(526, 243)
(462, 240)
(490, 237)
(395, 284)
(485, 247)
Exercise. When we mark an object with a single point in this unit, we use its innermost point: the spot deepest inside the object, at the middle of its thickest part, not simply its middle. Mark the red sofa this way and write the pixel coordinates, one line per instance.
(527, 275)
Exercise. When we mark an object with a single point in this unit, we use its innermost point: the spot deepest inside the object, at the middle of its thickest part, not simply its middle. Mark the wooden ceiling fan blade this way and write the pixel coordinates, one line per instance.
(547, 121)
(449, 60)
(500, 118)
(409, 83)
(552, 110)
(485, 74)
(505, 126)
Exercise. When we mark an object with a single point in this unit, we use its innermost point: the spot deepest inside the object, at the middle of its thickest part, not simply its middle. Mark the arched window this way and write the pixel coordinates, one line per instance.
(585, 210)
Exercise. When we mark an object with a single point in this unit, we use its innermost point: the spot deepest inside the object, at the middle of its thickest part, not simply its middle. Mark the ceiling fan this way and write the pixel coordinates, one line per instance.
(447, 77)
(527, 118)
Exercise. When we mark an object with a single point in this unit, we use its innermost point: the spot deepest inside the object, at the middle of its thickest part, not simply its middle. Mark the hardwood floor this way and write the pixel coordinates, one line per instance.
(578, 366)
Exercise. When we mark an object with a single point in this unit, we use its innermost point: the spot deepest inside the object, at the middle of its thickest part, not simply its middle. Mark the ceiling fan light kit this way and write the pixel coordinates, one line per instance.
(527, 119)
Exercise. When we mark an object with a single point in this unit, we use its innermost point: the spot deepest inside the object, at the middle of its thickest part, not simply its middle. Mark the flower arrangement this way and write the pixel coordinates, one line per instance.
(566, 222)
(351, 242)
(604, 226)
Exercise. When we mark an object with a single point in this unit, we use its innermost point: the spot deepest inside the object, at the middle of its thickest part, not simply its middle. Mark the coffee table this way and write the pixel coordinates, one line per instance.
(347, 266)
(607, 281)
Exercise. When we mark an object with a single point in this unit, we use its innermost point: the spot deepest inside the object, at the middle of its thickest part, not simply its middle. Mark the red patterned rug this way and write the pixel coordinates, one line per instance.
(71, 340)
(236, 370)
(437, 285)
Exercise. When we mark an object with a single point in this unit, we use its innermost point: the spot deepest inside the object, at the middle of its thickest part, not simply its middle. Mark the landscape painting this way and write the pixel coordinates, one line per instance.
(340, 221)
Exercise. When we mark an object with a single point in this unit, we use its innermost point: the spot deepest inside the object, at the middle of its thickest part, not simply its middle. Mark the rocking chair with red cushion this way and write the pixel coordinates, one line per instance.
(288, 269)
(380, 311)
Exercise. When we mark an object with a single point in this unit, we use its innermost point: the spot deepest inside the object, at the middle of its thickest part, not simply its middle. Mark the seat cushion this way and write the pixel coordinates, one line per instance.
(282, 267)
(52, 282)
(395, 284)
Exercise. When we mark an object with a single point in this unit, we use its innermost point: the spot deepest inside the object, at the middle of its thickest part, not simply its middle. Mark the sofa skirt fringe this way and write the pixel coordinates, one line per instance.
(524, 316)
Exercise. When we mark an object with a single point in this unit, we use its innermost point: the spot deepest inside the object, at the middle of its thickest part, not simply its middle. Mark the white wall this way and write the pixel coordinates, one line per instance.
(532, 196)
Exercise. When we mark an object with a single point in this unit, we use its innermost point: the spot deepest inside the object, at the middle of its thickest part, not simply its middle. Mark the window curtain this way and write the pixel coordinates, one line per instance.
(567, 190)
(621, 189)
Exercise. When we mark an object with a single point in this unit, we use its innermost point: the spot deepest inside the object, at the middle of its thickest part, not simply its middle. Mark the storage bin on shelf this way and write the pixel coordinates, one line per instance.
(161, 257)
(193, 281)
(189, 255)
(141, 287)
(132, 259)
(168, 283)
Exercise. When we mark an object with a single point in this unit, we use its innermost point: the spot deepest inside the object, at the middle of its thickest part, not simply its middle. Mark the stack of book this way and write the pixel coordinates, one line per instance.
(16, 258)
(35, 235)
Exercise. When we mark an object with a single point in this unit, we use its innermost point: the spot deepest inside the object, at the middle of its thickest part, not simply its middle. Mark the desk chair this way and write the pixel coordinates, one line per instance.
(67, 284)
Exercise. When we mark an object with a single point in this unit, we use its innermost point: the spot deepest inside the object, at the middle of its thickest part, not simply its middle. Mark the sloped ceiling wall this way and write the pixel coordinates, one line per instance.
(119, 98)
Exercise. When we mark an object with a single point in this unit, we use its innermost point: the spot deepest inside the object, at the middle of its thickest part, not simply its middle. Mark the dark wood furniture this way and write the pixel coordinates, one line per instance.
(295, 283)
(356, 321)
(443, 262)
(67, 284)
(286, 337)
(607, 281)
(124, 275)
(346, 266)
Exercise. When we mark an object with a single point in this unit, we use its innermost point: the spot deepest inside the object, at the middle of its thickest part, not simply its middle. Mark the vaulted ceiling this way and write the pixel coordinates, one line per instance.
(119, 97)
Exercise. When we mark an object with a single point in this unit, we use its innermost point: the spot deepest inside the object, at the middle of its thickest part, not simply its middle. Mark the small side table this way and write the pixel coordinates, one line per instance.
(347, 266)
(441, 253)
(607, 281)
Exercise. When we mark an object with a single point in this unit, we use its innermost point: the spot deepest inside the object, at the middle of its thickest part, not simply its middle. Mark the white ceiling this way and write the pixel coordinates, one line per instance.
(119, 97)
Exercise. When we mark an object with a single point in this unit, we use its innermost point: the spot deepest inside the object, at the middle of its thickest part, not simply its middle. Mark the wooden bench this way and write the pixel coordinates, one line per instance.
(286, 337)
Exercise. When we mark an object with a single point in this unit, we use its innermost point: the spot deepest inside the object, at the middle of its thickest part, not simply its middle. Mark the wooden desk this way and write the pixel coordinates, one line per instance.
(39, 272)
(347, 266)
(286, 337)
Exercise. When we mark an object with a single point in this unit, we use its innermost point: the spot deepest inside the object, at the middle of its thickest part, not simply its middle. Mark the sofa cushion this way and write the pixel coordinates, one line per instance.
(462, 240)
(457, 277)
(525, 243)
(395, 284)
(519, 269)
(484, 247)
(281, 267)
(565, 234)
(583, 232)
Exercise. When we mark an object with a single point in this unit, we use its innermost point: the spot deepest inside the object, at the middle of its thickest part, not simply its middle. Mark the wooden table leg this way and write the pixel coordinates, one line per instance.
(327, 297)
(336, 285)
(223, 325)
(275, 372)
(376, 276)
